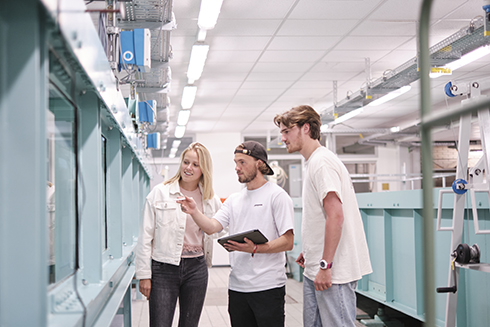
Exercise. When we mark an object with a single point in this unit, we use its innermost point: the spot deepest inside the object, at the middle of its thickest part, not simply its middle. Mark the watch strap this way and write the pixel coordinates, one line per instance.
(325, 265)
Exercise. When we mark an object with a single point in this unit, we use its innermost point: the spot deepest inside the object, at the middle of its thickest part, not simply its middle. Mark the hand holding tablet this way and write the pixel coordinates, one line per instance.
(253, 235)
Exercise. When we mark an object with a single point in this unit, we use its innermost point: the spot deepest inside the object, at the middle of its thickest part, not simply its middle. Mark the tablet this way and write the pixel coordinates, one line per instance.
(254, 235)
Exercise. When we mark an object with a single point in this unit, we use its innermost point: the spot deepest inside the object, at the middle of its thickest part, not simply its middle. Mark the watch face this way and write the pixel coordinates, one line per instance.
(325, 265)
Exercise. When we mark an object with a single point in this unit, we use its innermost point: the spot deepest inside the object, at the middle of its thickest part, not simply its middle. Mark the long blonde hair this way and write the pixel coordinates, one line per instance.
(206, 165)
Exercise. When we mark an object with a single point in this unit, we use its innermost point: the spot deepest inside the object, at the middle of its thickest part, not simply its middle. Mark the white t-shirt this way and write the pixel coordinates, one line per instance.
(326, 173)
(270, 210)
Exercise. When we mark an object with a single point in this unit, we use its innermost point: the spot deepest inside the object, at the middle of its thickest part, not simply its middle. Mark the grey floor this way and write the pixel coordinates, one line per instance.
(215, 313)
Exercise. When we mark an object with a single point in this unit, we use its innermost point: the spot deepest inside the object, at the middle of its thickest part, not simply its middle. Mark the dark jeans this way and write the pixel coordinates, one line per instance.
(187, 282)
(257, 309)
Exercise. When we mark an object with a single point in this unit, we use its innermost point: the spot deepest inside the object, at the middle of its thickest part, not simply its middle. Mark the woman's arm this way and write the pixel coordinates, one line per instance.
(144, 247)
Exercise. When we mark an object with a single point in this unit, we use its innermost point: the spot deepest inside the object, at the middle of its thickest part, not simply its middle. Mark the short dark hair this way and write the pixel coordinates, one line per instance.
(298, 116)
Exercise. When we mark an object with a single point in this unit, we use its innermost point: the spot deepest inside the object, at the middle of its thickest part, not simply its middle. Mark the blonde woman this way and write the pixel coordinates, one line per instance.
(173, 253)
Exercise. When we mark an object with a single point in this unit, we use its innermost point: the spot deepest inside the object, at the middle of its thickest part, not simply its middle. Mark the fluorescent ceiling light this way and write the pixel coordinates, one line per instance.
(348, 115)
(179, 131)
(173, 152)
(208, 14)
(390, 96)
(201, 35)
(199, 53)
(463, 61)
(469, 57)
(183, 117)
(176, 144)
(188, 96)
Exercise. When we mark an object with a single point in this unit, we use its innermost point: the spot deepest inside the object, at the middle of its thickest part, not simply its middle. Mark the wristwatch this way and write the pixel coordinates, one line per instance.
(325, 265)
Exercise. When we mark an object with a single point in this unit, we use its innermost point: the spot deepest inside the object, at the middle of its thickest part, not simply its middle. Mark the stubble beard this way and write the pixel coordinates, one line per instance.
(247, 178)
(291, 148)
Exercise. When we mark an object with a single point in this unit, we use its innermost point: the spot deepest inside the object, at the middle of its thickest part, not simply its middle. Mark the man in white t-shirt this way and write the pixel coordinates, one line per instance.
(335, 253)
(258, 277)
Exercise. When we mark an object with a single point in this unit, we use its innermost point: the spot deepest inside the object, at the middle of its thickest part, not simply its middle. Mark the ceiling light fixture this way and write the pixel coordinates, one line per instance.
(208, 14)
(469, 57)
(173, 152)
(188, 96)
(199, 53)
(463, 61)
(201, 35)
(176, 144)
(390, 96)
(183, 117)
(179, 131)
(348, 115)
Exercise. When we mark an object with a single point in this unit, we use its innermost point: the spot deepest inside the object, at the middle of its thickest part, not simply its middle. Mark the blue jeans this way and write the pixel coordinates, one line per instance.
(187, 282)
(335, 306)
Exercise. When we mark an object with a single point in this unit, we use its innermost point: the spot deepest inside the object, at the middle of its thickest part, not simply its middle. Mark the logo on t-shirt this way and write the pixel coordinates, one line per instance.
(258, 205)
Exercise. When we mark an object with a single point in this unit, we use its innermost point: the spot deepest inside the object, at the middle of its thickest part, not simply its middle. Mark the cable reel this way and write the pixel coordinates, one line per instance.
(466, 254)
(463, 254)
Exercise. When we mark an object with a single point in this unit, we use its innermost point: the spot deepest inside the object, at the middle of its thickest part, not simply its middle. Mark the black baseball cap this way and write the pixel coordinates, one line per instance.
(256, 150)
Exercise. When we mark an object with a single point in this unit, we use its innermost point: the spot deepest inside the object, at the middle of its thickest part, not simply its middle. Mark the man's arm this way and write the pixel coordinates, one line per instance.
(333, 231)
(208, 225)
(284, 242)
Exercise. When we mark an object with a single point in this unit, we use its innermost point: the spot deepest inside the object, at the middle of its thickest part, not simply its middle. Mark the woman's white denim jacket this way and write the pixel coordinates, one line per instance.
(162, 229)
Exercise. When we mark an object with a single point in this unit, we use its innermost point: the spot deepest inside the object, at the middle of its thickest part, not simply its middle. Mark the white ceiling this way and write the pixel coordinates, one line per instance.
(267, 56)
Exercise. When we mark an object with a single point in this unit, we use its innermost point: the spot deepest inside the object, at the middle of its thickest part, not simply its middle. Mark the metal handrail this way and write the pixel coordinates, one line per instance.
(402, 178)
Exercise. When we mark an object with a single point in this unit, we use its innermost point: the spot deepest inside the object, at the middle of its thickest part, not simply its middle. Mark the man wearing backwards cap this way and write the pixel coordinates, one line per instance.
(258, 277)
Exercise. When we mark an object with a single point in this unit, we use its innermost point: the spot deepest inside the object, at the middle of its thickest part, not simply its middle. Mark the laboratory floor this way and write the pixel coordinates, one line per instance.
(215, 311)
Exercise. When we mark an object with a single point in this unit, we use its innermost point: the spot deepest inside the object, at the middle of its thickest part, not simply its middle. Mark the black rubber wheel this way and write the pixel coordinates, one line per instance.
(463, 253)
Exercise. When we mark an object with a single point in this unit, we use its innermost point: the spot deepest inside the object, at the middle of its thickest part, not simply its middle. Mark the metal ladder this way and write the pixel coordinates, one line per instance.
(474, 182)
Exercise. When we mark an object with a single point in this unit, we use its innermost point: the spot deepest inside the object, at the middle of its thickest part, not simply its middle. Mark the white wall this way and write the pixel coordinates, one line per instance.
(414, 167)
(221, 147)
(394, 159)
(225, 180)
(389, 163)
(169, 168)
